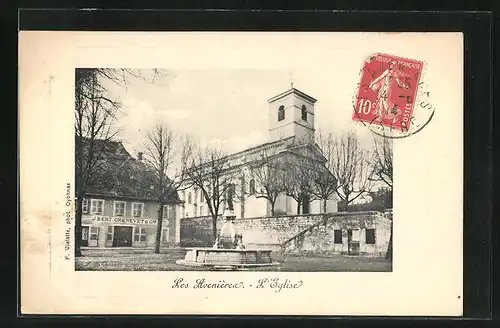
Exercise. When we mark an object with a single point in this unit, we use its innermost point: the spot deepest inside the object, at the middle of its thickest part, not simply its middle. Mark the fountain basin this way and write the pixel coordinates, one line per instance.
(218, 258)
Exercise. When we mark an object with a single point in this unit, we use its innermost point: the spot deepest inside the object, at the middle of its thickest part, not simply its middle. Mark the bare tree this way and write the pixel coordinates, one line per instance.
(324, 186)
(350, 167)
(267, 177)
(166, 155)
(94, 118)
(324, 183)
(95, 114)
(299, 174)
(209, 171)
(119, 76)
(382, 161)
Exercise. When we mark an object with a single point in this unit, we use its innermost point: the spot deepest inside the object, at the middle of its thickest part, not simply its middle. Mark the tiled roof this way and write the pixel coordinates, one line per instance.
(122, 175)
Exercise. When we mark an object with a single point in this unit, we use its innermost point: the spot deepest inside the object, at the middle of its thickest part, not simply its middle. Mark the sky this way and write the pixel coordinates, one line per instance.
(230, 106)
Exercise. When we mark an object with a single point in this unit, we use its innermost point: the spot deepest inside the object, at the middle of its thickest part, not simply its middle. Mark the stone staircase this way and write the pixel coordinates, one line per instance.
(297, 238)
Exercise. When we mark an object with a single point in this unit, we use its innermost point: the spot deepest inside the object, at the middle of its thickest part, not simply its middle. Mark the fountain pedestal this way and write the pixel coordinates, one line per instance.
(228, 258)
(228, 252)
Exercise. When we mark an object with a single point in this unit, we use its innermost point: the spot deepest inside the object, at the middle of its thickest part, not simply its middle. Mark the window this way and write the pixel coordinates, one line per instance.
(85, 233)
(201, 210)
(168, 211)
(230, 193)
(189, 198)
(337, 236)
(140, 234)
(94, 233)
(304, 113)
(201, 197)
(97, 206)
(195, 195)
(109, 235)
(252, 187)
(119, 209)
(281, 113)
(85, 205)
(164, 235)
(137, 210)
(370, 236)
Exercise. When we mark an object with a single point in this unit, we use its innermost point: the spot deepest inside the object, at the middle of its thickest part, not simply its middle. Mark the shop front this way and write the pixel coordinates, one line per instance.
(105, 231)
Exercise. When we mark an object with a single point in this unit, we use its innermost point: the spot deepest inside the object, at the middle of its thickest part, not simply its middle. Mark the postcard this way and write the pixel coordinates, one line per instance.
(299, 173)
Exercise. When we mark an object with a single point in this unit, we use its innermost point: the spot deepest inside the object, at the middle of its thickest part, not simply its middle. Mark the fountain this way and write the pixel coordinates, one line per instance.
(228, 252)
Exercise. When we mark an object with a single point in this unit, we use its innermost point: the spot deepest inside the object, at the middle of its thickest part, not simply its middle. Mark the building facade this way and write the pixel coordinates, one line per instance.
(291, 136)
(113, 221)
(354, 234)
(119, 208)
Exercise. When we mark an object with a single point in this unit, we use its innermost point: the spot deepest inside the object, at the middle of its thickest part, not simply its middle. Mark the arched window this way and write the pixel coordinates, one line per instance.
(304, 113)
(281, 113)
(252, 187)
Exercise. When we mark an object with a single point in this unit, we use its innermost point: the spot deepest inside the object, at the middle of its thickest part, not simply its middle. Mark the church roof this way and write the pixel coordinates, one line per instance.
(286, 145)
(290, 91)
(256, 149)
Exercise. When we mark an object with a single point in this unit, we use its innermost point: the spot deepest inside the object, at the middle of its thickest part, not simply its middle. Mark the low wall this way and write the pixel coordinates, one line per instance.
(297, 233)
(260, 232)
(196, 232)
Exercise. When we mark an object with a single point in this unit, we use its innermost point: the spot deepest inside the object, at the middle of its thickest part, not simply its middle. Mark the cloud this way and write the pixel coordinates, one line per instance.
(179, 87)
(176, 114)
(135, 111)
(244, 141)
(216, 142)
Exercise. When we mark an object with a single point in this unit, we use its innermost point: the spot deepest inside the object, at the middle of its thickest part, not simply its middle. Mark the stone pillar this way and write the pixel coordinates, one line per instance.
(345, 241)
(362, 240)
(101, 237)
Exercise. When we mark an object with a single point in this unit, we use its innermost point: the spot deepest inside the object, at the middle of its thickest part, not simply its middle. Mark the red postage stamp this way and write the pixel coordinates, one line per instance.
(387, 91)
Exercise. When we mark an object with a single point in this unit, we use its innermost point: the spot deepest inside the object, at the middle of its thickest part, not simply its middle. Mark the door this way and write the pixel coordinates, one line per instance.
(85, 236)
(353, 241)
(122, 236)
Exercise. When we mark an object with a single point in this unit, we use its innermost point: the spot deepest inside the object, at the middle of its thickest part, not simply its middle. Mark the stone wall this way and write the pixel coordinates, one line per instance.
(260, 232)
(196, 232)
(298, 233)
(320, 239)
(271, 232)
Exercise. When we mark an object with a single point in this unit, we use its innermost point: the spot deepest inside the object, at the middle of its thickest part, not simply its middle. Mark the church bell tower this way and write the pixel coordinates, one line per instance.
(291, 113)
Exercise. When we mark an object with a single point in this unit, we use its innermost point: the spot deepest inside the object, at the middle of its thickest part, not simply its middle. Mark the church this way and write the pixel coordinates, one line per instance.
(291, 134)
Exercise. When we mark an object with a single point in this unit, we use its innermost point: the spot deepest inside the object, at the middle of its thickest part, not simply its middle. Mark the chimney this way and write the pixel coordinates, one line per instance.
(139, 156)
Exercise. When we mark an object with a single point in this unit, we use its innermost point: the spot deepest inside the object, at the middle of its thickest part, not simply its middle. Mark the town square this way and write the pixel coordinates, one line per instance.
(152, 194)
